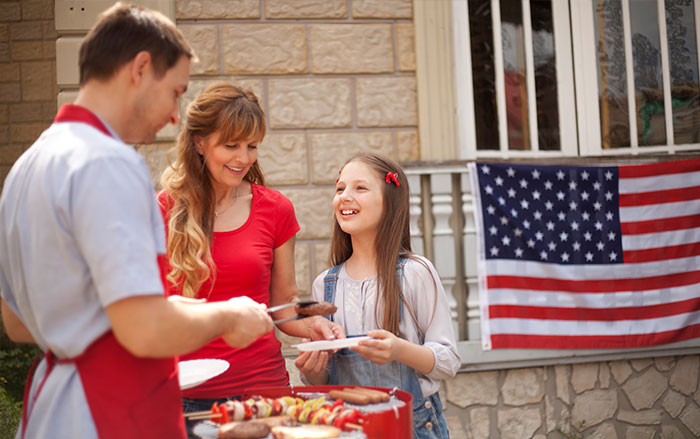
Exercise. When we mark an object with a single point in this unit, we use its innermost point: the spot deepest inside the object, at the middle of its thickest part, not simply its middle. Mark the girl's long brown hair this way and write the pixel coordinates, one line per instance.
(393, 237)
(235, 114)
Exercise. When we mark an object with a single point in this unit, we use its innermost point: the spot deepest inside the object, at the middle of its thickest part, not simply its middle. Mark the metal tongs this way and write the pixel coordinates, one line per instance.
(287, 305)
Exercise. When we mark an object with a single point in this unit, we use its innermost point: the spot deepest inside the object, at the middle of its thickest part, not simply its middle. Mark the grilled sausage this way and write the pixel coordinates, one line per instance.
(316, 309)
(377, 395)
(348, 395)
(243, 430)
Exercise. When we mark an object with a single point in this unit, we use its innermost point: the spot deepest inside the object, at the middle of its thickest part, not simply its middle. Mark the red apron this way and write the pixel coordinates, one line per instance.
(129, 397)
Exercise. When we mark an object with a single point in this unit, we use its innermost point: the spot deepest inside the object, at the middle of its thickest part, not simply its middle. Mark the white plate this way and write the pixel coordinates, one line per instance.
(195, 372)
(322, 345)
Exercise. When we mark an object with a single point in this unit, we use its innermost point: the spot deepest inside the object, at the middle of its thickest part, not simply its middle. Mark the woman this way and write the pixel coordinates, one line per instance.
(230, 236)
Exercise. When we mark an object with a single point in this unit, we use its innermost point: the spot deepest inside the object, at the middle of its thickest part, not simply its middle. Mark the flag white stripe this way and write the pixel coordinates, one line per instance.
(503, 296)
(590, 327)
(665, 239)
(662, 182)
(505, 267)
(659, 211)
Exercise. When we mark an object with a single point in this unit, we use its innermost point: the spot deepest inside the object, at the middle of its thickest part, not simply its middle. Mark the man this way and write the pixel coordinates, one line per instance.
(82, 242)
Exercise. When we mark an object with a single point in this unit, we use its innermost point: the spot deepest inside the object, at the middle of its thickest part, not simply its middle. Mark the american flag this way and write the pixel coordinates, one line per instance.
(581, 257)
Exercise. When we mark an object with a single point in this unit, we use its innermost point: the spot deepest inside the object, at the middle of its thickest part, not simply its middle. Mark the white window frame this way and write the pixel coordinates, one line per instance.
(466, 128)
(587, 91)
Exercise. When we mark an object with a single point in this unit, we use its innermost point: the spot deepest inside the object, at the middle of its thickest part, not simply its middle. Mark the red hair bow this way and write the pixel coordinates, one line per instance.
(393, 177)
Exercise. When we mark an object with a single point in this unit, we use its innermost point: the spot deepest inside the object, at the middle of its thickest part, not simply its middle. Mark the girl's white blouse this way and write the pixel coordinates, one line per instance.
(359, 310)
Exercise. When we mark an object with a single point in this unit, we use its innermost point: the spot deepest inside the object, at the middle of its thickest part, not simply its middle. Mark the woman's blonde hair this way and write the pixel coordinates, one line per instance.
(233, 113)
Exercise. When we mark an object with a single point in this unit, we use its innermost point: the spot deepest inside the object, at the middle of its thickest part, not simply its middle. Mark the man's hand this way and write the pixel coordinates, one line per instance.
(252, 321)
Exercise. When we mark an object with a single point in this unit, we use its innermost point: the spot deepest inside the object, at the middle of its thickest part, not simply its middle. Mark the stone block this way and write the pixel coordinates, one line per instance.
(641, 417)
(664, 364)
(480, 423)
(10, 153)
(264, 48)
(604, 431)
(456, 428)
(691, 419)
(604, 375)
(27, 50)
(26, 133)
(330, 150)
(584, 376)
(621, 370)
(639, 364)
(4, 136)
(4, 29)
(204, 40)
(48, 30)
(593, 407)
(382, 9)
(9, 72)
(198, 85)
(37, 10)
(300, 9)
(10, 11)
(640, 433)
(313, 207)
(302, 268)
(203, 9)
(407, 144)
(523, 386)
(39, 81)
(310, 103)
(10, 92)
(283, 159)
(351, 48)
(472, 388)
(4, 113)
(556, 415)
(383, 102)
(405, 49)
(673, 403)
(157, 158)
(561, 377)
(643, 390)
(322, 251)
(671, 432)
(32, 112)
(25, 30)
(684, 377)
(4, 52)
(518, 423)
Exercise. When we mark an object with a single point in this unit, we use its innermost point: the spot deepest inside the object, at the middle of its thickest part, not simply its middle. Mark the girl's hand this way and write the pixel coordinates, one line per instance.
(313, 365)
(381, 349)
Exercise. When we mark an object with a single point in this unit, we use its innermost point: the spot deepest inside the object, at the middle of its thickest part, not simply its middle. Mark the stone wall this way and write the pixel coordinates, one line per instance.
(27, 75)
(635, 399)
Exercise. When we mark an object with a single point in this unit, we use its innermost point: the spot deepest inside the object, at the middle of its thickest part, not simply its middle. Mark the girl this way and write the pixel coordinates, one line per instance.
(384, 290)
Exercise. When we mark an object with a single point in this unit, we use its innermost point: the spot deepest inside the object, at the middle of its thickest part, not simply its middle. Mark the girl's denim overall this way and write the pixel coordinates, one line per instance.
(351, 369)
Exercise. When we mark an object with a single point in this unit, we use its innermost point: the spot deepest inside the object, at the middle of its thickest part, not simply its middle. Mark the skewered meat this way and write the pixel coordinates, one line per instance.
(316, 309)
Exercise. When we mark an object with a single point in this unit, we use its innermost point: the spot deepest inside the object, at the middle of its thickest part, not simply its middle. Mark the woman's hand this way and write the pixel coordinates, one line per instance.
(312, 364)
(382, 348)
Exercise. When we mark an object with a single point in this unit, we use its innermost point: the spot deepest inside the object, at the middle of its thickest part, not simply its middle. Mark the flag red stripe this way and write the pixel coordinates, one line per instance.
(663, 225)
(597, 314)
(530, 341)
(661, 253)
(661, 168)
(593, 286)
(659, 197)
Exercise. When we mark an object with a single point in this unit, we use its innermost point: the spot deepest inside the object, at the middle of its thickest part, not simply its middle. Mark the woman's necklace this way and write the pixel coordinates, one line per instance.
(235, 198)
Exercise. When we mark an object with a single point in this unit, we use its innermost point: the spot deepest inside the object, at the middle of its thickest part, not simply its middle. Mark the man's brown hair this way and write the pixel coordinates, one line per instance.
(124, 30)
